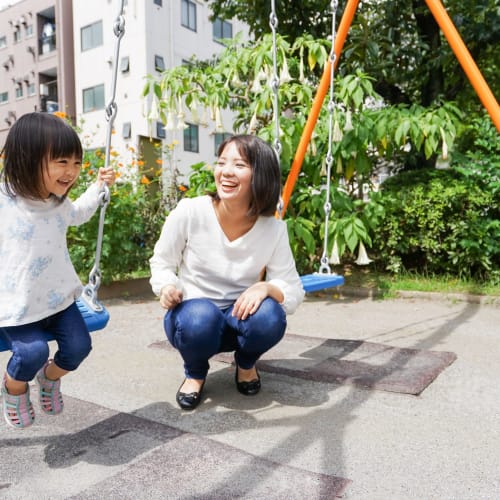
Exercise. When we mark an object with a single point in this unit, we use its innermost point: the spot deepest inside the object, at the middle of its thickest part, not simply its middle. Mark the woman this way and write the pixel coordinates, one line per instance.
(224, 270)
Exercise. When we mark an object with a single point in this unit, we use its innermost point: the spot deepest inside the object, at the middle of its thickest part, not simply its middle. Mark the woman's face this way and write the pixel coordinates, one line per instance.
(59, 175)
(233, 176)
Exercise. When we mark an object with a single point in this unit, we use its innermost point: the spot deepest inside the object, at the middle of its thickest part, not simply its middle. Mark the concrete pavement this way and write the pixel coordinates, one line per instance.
(123, 436)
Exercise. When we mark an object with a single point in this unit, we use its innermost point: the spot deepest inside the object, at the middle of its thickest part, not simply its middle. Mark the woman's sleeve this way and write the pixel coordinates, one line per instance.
(169, 248)
(282, 273)
(85, 206)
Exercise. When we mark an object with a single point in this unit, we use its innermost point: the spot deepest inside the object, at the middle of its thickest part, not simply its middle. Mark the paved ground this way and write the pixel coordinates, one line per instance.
(122, 435)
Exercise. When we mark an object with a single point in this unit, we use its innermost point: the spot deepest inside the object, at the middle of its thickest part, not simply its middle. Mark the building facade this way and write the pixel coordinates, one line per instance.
(36, 57)
(72, 68)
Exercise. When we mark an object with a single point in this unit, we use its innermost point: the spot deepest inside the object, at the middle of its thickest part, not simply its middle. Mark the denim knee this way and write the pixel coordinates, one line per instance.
(27, 359)
(73, 354)
(194, 324)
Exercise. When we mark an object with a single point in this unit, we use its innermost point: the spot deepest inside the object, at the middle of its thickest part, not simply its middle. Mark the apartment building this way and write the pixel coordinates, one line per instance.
(72, 68)
(36, 60)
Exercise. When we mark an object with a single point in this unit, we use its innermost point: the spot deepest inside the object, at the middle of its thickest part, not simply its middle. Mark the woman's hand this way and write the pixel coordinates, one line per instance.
(107, 175)
(249, 301)
(170, 297)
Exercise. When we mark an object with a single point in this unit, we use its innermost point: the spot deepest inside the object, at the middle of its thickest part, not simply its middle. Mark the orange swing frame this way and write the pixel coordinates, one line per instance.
(457, 45)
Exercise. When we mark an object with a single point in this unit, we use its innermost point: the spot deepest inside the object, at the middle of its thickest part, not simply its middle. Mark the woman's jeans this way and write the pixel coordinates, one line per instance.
(199, 330)
(30, 349)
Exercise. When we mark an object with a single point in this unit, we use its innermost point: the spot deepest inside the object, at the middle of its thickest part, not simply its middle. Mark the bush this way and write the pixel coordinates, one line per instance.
(444, 222)
(133, 222)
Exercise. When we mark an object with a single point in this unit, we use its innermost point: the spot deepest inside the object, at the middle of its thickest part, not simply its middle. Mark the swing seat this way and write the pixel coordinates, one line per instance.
(319, 281)
(95, 318)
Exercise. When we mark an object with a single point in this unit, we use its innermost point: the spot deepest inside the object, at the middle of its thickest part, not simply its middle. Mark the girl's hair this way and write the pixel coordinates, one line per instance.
(266, 174)
(34, 140)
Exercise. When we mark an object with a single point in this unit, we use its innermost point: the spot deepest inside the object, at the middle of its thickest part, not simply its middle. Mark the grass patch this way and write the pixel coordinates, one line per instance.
(388, 285)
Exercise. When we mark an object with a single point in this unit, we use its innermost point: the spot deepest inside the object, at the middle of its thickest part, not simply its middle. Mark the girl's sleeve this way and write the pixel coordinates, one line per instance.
(282, 273)
(84, 207)
(169, 248)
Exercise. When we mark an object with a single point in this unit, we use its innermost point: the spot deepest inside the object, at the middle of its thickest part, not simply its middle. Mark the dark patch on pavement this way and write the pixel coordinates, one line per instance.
(364, 364)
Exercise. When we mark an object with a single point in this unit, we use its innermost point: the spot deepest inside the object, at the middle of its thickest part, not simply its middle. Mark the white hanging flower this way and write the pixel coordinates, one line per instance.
(285, 74)
(235, 80)
(203, 119)
(219, 127)
(444, 152)
(181, 123)
(153, 112)
(252, 126)
(170, 125)
(256, 86)
(337, 133)
(194, 111)
(363, 258)
(334, 257)
(348, 121)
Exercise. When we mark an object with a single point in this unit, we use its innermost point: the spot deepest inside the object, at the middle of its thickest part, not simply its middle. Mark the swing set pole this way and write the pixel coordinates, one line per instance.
(465, 59)
(323, 88)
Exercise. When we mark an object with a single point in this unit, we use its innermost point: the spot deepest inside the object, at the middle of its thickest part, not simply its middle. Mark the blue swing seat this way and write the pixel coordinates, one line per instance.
(96, 318)
(319, 281)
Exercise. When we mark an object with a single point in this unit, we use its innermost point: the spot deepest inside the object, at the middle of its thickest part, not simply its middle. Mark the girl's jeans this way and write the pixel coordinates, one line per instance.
(199, 329)
(30, 349)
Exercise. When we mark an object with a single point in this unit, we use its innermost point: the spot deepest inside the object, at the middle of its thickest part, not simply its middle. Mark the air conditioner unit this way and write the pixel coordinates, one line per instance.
(52, 106)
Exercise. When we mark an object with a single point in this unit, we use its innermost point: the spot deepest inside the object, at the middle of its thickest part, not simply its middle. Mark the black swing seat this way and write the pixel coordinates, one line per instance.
(319, 281)
(94, 314)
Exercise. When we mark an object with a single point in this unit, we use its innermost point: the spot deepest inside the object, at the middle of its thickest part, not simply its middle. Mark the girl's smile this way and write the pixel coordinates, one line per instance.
(59, 175)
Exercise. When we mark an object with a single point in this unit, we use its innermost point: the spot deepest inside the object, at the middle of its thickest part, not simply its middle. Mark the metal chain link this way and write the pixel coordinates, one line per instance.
(324, 265)
(90, 290)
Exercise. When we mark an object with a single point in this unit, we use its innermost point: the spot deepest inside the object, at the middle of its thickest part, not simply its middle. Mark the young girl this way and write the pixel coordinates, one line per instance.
(42, 158)
(208, 269)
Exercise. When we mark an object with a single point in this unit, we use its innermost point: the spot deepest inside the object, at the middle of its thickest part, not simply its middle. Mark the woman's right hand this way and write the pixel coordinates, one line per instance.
(170, 297)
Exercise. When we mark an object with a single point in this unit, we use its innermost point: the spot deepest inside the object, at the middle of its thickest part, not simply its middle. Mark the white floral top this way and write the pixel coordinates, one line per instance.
(37, 278)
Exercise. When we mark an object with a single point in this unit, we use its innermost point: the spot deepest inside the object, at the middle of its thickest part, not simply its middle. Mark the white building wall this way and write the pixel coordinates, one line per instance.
(149, 30)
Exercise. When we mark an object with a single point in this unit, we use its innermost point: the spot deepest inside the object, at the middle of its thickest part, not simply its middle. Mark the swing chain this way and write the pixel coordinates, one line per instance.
(90, 290)
(275, 81)
(325, 267)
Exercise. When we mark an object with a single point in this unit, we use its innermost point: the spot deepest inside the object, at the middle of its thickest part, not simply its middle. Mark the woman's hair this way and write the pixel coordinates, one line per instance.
(34, 140)
(266, 174)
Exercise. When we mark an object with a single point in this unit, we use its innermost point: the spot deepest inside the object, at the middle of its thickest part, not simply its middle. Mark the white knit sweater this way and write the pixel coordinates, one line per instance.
(194, 254)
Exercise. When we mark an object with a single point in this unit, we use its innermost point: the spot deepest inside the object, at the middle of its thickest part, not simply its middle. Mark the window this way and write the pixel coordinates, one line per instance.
(93, 98)
(219, 139)
(158, 2)
(160, 130)
(188, 14)
(31, 89)
(17, 35)
(91, 36)
(4, 97)
(222, 29)
(125, 64)
(127, 130)
(3, 41)
(191, 142)
(19, 90)
(159, 63)
(28, 31)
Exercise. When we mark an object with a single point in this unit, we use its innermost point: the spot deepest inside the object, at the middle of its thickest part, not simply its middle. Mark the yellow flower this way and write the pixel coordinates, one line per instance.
(182, 188)
(145, 180)
(140, 163)
(61, 114)
(159, 161)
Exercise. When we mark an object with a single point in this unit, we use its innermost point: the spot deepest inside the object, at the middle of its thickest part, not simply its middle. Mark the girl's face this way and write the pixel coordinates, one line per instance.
(60, 174)
(233, 176)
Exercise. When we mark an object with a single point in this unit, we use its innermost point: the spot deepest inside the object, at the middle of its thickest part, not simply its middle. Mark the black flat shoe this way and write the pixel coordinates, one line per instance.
(189, 401)
(247, 388)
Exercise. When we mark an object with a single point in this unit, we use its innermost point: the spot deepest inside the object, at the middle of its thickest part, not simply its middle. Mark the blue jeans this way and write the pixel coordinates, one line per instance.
(198, 329)
(30, 349)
